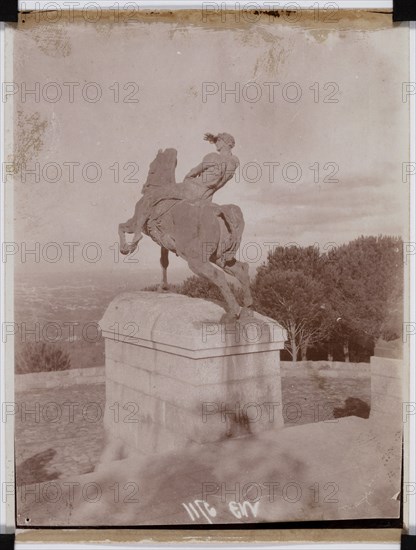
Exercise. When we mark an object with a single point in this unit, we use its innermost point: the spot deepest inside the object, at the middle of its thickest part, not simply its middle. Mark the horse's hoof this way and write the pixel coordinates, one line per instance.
(246, 314)
(228, 318)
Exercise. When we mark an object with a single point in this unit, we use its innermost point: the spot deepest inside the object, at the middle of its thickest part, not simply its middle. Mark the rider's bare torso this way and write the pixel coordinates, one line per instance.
(210, 175)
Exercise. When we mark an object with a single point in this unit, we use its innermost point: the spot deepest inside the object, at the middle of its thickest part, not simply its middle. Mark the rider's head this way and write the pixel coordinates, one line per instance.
(222, 141)
(227, 139)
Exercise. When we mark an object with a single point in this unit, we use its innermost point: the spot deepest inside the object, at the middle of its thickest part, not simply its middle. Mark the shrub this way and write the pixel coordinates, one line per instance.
(157, 288)
(198, 287)
(42, 357)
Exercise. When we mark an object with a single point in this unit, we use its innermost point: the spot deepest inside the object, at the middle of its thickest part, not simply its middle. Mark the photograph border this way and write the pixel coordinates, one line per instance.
(383, 538)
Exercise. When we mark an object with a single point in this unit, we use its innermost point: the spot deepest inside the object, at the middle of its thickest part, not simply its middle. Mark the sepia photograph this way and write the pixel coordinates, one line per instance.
(207, 252)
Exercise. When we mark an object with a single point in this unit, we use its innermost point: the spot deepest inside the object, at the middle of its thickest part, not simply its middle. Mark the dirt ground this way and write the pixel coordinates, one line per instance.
(59, 432)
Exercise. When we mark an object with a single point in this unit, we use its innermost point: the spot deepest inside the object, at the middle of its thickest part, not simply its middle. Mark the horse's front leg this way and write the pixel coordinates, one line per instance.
(137, 237)
(124, 228)
(164, 262)
(129, 227)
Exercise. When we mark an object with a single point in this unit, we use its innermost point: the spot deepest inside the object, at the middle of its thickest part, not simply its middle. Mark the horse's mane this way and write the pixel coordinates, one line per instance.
(162, 170)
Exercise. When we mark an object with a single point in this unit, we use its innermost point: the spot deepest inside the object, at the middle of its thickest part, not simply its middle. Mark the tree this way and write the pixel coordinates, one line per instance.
(307, 259)
(366, 278)
(290, 288)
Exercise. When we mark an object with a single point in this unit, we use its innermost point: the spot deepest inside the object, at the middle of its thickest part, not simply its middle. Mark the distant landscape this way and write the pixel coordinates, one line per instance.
(334, 305)
(66, 308)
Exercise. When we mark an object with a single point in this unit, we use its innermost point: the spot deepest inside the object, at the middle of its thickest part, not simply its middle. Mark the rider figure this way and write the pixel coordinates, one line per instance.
(214, 171)
(199, 184)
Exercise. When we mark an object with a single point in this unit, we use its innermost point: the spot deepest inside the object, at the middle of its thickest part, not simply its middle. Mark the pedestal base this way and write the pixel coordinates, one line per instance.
(175, 375)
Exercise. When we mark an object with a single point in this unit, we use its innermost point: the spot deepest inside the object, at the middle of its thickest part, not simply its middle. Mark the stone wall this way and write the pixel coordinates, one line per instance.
(387, 392)
(386, 414)
(326, 369)
(96, 375)
(70, 377)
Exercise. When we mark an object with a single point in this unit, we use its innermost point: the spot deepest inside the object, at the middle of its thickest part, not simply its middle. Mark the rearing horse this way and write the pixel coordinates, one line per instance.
(207, 236)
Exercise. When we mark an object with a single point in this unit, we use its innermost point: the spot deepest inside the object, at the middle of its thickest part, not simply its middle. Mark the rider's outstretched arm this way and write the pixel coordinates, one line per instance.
(208, 162)
(197, 171)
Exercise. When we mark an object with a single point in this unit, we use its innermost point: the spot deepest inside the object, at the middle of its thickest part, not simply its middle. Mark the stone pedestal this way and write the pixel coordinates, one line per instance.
(176, 375)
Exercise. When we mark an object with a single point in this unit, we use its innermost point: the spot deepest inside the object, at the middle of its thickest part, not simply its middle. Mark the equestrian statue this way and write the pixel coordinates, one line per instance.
(181, 218)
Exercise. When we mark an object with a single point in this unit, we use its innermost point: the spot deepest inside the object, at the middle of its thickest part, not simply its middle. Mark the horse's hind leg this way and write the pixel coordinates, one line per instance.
(164, 262)
(240, 271)
(208, 271)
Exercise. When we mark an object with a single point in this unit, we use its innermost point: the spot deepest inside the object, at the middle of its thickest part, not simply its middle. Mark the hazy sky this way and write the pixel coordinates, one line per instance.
(363, 134)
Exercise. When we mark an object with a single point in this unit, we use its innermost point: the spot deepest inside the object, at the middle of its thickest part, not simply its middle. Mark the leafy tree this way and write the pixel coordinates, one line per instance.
(42, 357)
(291, 288)
(348, 297)
(307, 259)
(366, 278)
